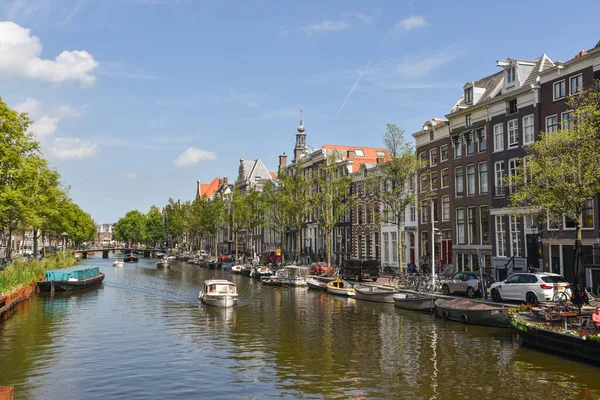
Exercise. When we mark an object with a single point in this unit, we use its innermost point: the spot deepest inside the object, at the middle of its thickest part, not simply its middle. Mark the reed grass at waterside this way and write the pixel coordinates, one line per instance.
(20, 273)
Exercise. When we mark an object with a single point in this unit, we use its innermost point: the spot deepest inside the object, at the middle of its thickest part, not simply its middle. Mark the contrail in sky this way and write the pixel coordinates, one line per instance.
(354, 86)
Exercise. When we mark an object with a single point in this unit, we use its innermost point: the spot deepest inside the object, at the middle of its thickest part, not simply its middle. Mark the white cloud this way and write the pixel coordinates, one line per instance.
(66, 111)
(131, 175)
(193, 156)
(30, 106)
(44, 126)
(327, 26)
(363, 17)
(283, 32)
(73, 148)
(20, 58)
(406, 24)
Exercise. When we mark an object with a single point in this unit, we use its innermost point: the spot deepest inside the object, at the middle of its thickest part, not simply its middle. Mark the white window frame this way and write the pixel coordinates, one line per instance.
(512, 127)
(593, 217)
(487, 183)
(468, 120)
(528, 129)
(500, 236)
(511, 74)
(566, 117)
(458, 226)
(548, 118)
(445, 208)
(499, 178)
(386, 247)
(471, 228)
(513, 165)
(442, 178)
(481, 241)
(564, 90)
(471, 187)
(441, 152)
(433, 183)
(515, 225)
(469, 95)
(579, 83)
(498, 137)
(431, 158)
(456, 182)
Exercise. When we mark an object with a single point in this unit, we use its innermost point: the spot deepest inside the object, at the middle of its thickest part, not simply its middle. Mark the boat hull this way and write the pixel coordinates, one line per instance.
(414, 302)
(489, 316)
(316, 284)
(218, 300)
(68, 286)
(374, 293)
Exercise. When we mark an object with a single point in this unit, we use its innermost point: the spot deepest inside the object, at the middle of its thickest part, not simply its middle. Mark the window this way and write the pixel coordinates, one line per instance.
(380, 153)
(468, 95)
(528, 129)
(470, 144)
(445, 180)
(559, 90)
(511, 74)
(566, 120)
(425, 212)
(457, 147)
(575, 83)
(460, 225)
(513, 164)
(386, 247)
(482, 140)
(483, 178)
(359, 153)
(424, 243)
(468, 121)
(458, 181)
(484, 225)
(444, 153)
(569, 223)
(433, 159)
(515, 230)
(499, 178)
(413, 214)
(435, 210)
(499, 137)
(424, 182)
(551, 124)
(587, 215)
(446, 208)
(434, 179)
(511, 107)
(500, 236)
(470, 180)
(513, 133)
(472, 225)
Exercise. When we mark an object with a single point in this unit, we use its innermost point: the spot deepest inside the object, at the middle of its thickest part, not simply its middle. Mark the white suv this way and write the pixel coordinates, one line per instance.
(530, 287)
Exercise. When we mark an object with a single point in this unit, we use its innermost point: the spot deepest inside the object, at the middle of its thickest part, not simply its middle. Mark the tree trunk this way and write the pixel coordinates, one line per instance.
(281, 251)
(298, 246)
(236, 245)
(329, 248)
(399, 244)
(9, 245)
(216, 248)
(35, 242)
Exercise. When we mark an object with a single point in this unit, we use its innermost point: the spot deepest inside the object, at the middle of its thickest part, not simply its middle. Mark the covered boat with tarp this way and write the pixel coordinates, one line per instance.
(71, 279)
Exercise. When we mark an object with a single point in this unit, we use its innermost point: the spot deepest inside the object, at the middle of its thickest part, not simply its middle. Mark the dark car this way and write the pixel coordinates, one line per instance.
(359, 270)
(468, 283)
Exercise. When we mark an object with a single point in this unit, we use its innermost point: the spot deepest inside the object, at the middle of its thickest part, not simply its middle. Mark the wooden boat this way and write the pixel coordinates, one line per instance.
(118, 263)
(340, 287)
(576, 343)
(218, 293)
(414, 301)
(69, 280)
(314, 283)
(473, 312)
(379, 294)
(131, 257)
(163, 264)
(236, 269)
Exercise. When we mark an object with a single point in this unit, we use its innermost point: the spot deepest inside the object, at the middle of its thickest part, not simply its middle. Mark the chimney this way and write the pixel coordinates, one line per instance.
(351, 154)
(282, 160)
(225, 181)
(198, 189)
(220, 182)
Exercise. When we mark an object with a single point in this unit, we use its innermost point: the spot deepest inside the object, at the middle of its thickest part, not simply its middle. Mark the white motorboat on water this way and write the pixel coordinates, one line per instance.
(118, 263)
(163, 263)
(219, 293)
(380, 294)
(236, 269)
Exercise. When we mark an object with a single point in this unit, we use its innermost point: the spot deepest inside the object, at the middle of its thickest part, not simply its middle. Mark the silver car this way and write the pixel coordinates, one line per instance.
(530, 287)
(466, 283)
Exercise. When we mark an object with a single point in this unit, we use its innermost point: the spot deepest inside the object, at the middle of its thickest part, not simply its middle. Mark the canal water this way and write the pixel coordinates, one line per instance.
(143, 335)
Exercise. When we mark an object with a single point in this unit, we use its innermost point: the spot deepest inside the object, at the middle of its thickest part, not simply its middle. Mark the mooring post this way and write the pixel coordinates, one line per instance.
(104, 253)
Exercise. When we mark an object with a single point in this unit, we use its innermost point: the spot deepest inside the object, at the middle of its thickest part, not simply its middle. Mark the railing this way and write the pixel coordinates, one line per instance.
(510, 270)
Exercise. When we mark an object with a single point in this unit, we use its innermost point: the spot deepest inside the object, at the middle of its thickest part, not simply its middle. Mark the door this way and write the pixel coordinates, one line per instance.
(456, 282)
(510, 287)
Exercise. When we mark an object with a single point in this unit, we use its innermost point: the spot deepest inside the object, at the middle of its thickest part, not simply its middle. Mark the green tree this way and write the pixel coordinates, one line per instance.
(131, 227)
(253, 217)
(237, 215)
(331, 197)
(175, 221)
(396, 179)
(295, 200)
(276, 216)
(213, 217)
(560, 175)
(154, 230)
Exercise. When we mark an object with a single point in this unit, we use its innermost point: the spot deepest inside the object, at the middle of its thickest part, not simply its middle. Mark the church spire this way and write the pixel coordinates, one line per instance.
(301, 146)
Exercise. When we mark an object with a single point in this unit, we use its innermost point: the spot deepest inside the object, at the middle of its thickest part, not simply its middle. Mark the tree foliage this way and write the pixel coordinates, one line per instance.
(154, 228)
(295, 200)
(131, 227)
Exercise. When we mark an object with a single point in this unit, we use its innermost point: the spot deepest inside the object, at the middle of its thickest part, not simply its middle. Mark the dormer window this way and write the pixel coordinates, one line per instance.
(468, 121)
(511, 74)
(469, 95)
(359, 153)
(431, 135)
(512, 106)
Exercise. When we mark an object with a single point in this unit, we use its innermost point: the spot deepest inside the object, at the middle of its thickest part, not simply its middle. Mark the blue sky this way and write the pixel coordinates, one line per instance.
(134, 100)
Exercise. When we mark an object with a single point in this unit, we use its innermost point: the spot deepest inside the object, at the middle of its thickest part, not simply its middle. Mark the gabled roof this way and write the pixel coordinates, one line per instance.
(543, 63)
(490, 84)
(208, 189)
(370, 154)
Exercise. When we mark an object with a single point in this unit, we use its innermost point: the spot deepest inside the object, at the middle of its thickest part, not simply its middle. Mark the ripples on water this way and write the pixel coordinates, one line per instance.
(144, 335)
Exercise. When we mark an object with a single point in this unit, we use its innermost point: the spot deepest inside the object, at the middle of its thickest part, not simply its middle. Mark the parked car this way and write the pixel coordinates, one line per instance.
(360, 269)
(468, 283)
(320, 268)
(530, 287)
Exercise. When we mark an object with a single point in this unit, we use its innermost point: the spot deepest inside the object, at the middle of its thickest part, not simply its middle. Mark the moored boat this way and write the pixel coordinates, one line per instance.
(473, 312)
(118, 263)
(414, 301)
(218, 293)
(314, 283)
(236, 269)
(163, 264)
(130, 257)
(69, 280)
(379, 294)
(260, 271)
(340, 287)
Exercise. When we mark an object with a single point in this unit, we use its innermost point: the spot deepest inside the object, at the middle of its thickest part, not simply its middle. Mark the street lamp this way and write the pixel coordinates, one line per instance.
(64, 236)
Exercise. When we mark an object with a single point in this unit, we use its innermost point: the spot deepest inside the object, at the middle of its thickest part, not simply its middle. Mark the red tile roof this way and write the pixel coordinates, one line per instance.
(369, 152)
(273, 174)
(209, 189)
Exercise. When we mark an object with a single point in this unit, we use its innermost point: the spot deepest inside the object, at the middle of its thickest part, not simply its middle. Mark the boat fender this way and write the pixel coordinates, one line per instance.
(464, 318)
(445, 314)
